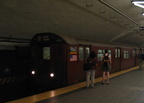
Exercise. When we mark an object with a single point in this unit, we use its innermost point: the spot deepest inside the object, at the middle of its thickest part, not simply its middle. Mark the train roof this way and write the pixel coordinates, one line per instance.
(48, 38)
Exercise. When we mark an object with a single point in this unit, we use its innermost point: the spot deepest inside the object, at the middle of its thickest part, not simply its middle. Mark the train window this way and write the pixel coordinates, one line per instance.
(81, 53)
(109, 51)
(100, 51)
(46, 53)
(126, 54)
(100, 55)
(119, 53)
(87, 52)
(116, 54)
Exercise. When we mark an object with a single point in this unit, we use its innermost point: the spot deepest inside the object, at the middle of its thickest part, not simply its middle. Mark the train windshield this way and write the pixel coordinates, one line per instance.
(46, 53)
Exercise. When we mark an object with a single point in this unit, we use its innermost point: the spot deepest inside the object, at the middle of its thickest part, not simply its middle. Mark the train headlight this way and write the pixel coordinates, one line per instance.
(51, 74)
(33, 72)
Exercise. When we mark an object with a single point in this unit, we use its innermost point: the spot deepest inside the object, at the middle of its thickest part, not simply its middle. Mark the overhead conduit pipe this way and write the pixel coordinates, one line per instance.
(118, 11)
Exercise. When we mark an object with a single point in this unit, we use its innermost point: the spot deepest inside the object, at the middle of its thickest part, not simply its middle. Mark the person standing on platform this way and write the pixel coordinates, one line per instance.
(90, 74)
(106, 67)
(140, 57)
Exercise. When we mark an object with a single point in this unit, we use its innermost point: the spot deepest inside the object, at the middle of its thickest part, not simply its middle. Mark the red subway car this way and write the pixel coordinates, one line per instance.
(57, 60)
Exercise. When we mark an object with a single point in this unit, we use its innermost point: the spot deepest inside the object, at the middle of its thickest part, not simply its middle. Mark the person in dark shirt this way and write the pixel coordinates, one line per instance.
(90, 74)
(106, 67)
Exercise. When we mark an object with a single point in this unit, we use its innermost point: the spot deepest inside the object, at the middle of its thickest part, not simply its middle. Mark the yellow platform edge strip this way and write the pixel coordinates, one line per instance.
(56, 92)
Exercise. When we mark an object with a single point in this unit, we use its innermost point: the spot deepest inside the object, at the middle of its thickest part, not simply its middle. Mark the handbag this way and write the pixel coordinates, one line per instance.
(87, 66)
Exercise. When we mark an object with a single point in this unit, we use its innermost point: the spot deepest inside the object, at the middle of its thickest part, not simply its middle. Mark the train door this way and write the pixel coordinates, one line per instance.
(86, 52)
(58, 63)
(81, 60)
(118, 59)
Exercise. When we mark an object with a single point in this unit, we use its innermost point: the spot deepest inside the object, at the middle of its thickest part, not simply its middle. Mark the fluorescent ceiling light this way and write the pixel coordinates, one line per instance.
(138, 3)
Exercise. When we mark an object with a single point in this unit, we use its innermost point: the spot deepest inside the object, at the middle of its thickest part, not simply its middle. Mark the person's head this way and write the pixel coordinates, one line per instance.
(106, 51)
(92, 54)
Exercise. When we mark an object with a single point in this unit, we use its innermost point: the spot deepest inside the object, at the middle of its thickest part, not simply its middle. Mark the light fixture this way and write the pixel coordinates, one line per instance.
(51, 74)
(33, 72)
(138, 3)
(118, 11)
(141, 28)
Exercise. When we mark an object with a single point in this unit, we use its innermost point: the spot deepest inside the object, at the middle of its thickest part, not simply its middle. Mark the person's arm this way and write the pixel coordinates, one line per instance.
(110, 60)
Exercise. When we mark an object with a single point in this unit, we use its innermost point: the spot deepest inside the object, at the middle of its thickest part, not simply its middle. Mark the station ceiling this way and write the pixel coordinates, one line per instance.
(116, 21)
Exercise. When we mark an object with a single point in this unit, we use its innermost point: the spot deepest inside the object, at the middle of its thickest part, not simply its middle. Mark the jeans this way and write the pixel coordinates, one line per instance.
(90, 75)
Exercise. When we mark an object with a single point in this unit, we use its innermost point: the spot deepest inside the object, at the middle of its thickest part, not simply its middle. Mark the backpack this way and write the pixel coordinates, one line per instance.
(87, 66)
(106, 58)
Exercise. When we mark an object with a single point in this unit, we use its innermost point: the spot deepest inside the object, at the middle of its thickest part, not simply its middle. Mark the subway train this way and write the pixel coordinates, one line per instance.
(57, 60)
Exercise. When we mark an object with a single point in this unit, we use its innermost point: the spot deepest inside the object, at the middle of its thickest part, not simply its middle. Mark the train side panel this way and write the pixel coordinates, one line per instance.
(59, 63)
(128, 58)
(75, 71)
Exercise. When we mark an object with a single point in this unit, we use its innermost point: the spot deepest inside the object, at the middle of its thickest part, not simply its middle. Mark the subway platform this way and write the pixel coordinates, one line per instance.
(126, 86)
